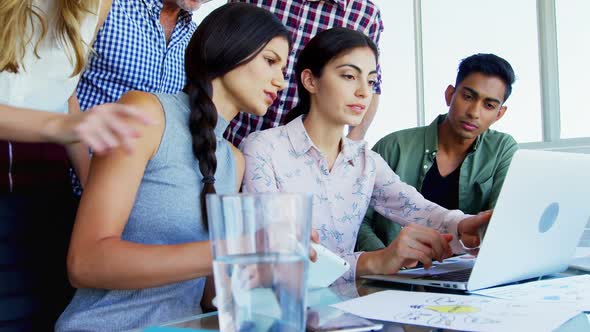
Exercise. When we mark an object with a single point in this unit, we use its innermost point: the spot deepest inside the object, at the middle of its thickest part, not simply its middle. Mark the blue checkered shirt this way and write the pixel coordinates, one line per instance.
(132, 54)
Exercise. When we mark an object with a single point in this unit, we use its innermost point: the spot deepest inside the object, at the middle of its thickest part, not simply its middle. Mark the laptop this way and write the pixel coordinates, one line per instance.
(581, 259)
(540, 215)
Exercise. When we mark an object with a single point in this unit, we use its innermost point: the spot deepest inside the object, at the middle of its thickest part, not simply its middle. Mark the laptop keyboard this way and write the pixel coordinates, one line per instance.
(459, 276)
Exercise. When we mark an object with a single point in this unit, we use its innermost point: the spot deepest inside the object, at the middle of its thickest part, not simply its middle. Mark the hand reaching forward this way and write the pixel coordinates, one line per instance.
(415, 243)
(471, 231)
(101, 128)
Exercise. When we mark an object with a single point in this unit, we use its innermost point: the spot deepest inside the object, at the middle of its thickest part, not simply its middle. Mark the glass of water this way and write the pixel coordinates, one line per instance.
(260, 259)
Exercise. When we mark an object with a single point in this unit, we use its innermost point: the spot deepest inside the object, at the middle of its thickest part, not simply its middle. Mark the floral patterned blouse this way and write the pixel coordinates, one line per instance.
(284, 159)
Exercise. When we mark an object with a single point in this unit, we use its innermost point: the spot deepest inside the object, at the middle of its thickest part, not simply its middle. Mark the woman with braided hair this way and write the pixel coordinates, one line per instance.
(139, 252)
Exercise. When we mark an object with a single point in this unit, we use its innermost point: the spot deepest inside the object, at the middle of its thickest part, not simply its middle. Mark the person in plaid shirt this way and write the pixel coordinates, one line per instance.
(305, 19)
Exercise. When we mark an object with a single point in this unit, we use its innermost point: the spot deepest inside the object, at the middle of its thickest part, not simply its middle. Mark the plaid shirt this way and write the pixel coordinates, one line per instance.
(305, 19)
(131, 54)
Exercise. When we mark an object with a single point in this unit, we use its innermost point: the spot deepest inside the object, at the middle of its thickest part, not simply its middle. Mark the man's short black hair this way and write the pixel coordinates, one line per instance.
(489, 65)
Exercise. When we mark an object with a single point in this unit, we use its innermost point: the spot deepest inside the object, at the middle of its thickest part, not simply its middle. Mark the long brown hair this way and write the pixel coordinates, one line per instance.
(231, 36)
(19, 15)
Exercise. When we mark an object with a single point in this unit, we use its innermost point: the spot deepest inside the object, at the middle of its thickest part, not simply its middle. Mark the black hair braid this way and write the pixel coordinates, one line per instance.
(202, 122)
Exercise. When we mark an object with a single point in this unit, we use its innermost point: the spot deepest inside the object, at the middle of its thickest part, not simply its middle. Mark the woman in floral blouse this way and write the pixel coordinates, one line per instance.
(336, 72)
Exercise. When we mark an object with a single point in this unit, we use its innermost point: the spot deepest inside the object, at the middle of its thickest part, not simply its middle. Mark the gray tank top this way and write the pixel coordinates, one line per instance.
(166, 211)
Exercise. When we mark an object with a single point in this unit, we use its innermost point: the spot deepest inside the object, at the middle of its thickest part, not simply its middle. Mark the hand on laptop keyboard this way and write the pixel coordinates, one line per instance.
(415, 243)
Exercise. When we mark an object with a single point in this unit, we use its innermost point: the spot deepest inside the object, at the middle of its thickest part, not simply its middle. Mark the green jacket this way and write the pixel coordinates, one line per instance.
(411, 153)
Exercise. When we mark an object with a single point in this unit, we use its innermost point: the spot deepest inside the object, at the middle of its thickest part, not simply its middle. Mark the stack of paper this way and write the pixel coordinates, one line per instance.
(460, 312)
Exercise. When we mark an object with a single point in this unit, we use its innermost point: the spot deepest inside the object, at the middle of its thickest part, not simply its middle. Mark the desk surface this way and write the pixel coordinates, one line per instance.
(343, 292)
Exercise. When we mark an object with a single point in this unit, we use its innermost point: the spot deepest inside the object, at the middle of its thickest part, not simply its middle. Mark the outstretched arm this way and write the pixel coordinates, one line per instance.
(102, 128)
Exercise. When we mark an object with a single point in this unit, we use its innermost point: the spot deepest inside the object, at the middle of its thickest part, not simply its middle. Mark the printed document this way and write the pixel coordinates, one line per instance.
(460, 312)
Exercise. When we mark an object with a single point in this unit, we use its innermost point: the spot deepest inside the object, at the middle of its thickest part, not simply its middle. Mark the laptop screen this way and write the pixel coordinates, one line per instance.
(585, 240)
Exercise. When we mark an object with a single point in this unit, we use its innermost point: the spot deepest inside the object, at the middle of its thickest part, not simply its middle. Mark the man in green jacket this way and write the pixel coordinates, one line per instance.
(456, 161)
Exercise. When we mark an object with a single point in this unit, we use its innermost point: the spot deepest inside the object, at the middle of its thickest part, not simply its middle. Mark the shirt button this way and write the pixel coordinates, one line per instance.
(427, 150)
(425, 166)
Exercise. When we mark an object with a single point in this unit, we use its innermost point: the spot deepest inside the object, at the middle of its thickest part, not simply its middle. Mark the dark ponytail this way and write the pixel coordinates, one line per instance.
(320, 50)
(230, 36)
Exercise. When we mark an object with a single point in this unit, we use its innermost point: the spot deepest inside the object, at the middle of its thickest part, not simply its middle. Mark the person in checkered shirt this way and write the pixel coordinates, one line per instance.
(140, 46)
(305, 19)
